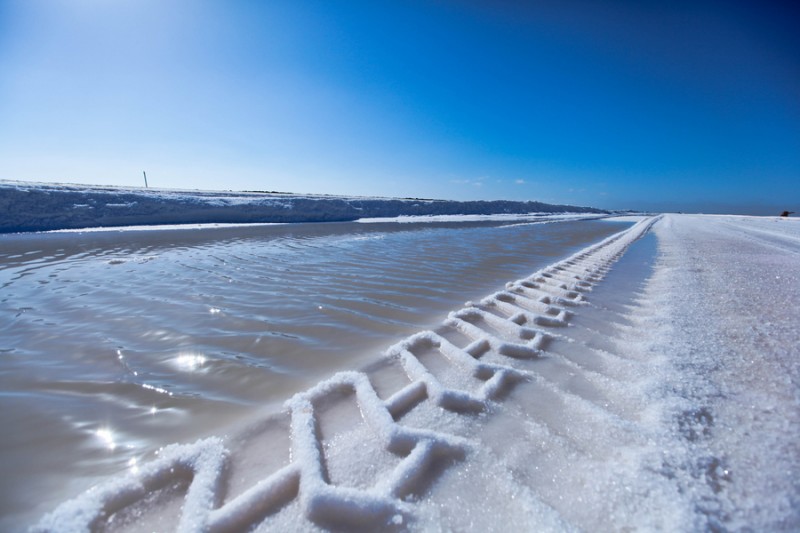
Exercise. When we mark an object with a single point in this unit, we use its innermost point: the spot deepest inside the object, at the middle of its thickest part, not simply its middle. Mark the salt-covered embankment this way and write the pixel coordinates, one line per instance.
(41, 207)
(724, 307)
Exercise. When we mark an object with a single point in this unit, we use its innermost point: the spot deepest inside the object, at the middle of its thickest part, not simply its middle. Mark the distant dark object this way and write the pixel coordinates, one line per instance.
(145, 178)
(787, 213)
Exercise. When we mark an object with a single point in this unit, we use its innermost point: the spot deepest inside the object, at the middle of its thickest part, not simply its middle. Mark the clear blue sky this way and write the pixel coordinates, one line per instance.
(679, 105)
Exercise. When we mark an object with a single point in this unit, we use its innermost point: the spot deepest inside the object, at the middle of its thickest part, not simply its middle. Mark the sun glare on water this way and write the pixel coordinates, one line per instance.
(107, 436)
(190, 362)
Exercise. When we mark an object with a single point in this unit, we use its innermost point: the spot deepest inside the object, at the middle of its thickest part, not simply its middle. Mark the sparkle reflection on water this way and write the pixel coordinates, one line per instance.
(115, 343)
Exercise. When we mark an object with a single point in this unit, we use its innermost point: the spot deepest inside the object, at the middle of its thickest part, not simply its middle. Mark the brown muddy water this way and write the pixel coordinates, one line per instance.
(113, 344)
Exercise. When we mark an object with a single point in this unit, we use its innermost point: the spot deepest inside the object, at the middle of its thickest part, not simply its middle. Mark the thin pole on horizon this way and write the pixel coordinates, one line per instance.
(145, 179)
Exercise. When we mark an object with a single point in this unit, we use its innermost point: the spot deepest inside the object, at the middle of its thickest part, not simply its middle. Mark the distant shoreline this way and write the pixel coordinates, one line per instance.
(29, 206)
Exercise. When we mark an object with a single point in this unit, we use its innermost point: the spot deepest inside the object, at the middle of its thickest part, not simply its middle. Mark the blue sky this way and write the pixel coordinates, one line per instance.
(683, 105)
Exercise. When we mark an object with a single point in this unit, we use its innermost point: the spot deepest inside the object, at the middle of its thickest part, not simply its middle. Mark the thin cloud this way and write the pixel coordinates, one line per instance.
(474, 183)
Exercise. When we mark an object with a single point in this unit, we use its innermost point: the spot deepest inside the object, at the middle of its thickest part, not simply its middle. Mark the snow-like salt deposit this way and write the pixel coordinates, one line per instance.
(724, 307)
(501, 217)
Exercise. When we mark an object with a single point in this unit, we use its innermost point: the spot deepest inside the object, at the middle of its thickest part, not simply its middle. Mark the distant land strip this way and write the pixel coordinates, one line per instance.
(26, 206)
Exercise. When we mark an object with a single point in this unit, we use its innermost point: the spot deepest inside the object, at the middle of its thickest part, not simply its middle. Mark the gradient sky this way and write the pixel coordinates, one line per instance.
(679, 105)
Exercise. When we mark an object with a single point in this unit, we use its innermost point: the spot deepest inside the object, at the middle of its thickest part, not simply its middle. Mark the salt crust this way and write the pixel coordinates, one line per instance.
(509, 323)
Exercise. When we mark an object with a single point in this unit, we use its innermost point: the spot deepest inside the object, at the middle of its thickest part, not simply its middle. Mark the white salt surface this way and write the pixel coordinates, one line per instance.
(655, 390)
(724, 307)
(529, 217)
(163, 227)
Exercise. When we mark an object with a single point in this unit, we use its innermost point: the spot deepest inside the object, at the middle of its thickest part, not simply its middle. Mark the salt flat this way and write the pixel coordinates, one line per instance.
(647, 382)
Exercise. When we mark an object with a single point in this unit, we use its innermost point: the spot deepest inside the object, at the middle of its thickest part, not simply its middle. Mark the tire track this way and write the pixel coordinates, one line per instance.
(473, 359)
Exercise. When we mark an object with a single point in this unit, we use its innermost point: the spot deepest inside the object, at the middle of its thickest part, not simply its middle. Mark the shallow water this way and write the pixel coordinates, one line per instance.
(115, 343)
